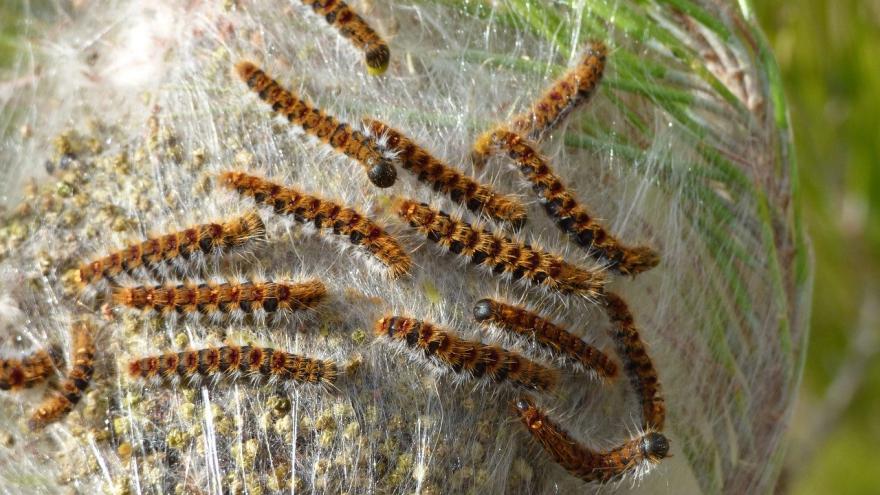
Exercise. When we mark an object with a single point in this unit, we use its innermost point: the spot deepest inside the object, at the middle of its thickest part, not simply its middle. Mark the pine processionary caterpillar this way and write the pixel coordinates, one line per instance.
(58, 403)
(232, 362)
(352, 26)
(446, 179)
(570, 216)
(325, 215)
(636, 456)
(501, 254)
(217, 299)
(340, 136)
(637, 363)
(29, 370)
(466, 357)
(527, 323)
(180, 246)
(563, 96)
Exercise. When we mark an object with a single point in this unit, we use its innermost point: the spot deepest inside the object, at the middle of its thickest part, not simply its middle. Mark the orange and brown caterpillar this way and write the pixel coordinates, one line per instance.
(501, 254)
(563, 96)
(218, 299)
(637, 364)
(562, 343)
(636, 456)
(60, 402)
(323, 214)
(352, 26)
(462, 189)
(475, 359)
(29, 370)
(560, 204)
(340, 136)
(232, 362)
(187, 245)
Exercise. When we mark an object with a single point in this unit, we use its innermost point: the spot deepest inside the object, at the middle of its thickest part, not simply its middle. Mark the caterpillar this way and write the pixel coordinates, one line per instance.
(218, 299)
(562, 343)
(636, 456)
(474, 359)
(462, 189)
(569, 91)
(570, 216)
(60, 402)
(187, 245)
(340, 136)
(501, 254)
(352, 26)
(637, 364)
(323, 214)
(29, 370)
(232, 362)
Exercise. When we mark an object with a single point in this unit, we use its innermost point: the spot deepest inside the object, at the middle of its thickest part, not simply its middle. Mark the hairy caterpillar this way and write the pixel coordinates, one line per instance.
(569, 91)
(501, 254)
(218, 299)
(637, 363)
(463, 356)
(28, 370)
(340, 136)
(529, 324)
(462, 189)
(190, 244)
(636, 456)
(60, 402)
(352, 26)
(324, 214)
(232, 362)
(570, 216)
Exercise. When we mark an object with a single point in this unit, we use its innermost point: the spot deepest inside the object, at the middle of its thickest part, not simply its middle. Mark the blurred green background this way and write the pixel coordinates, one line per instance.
(829, 53)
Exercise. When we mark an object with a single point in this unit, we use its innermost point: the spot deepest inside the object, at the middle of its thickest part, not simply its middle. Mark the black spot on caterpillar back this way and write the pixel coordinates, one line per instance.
(340, 136)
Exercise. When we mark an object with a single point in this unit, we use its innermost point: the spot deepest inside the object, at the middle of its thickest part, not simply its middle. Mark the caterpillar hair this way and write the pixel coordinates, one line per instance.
(323, 214)
(637, 364)
(568, 92)
(466, 357)
(501, 254)
(29, 370)
(462, 189)
(188, 245)
(231, 363)
(562, 343)
(218, 299)
(340, 136)
(350, 25)
(636, 456)
(570, 216)
(60, 402)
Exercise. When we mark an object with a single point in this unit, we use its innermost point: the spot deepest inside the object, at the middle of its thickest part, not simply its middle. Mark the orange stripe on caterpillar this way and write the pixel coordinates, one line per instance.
(463, 356)
(193, 241)
(560, 204)
(60, 402)
(442, 177)
(563, 96)
(28, 371)
(636, 456)
(222, 298)
(340, 136)
(352, 26)
(325, 214)
(501, 254)
(232, 362)
(637, 364)
(529, 324)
